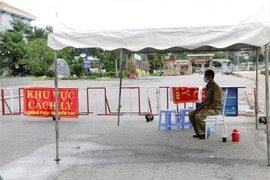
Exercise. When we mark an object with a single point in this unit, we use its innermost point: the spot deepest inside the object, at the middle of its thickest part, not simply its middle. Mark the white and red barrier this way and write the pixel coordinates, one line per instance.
(103, 101)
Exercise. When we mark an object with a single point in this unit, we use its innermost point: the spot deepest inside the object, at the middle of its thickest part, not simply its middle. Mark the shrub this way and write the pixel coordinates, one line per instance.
(123, 74)
(91, 77)
(69, 78)
(155, 74)
(130, 67)
(37, 73)
(143, 72)
(50, 73)
(42, 78)
(263, 72)
(76, 69)
(138, 73)
(110, 74)
(251, 68)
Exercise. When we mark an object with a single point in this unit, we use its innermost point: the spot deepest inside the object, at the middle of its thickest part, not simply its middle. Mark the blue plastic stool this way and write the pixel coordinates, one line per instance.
(181, 119)
(168, 123)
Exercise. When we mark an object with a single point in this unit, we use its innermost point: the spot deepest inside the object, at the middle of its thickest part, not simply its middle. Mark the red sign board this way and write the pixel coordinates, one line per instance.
(40, 102)
(188, 94)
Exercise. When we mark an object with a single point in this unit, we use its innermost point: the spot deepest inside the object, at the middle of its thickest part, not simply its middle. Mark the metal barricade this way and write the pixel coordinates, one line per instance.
(142, 101)
(11, 101)
(135, 101)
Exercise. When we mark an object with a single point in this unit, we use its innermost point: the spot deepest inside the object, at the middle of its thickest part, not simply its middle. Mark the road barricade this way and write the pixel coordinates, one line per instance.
(134, 101)
(12, 101)
(103, 101)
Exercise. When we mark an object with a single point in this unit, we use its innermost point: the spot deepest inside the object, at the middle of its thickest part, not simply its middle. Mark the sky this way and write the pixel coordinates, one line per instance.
(44, 10)
(100, 14)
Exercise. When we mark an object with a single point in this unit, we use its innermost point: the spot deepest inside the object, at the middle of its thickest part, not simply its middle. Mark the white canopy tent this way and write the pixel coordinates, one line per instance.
(157, 25)
(163, 26)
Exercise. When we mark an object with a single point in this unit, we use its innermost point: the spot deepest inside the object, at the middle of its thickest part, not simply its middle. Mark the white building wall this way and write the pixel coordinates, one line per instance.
(5, 19)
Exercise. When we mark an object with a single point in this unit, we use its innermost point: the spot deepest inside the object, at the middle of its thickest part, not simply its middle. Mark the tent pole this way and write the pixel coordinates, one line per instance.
(120, 86)
(267, 102)
(257, 86)
(56, 107)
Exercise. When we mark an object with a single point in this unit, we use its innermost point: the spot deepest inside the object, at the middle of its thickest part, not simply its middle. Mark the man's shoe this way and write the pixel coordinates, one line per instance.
(196, 136)
(203, 136)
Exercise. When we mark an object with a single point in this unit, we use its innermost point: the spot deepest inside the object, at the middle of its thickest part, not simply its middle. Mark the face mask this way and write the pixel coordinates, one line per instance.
(205, 80)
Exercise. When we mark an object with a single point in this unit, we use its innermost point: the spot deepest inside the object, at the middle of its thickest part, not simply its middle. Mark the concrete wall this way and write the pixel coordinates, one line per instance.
(15, 81)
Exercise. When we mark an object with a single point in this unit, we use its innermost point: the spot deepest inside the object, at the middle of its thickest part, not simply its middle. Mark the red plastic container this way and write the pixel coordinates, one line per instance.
(235, 135)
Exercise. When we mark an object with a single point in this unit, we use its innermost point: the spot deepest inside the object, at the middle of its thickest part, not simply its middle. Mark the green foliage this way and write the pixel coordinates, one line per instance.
(76, 69)
(69, 78)
(50, 73)
(42, 33)
(193, 69)
(123, 74)
(109, 62)
(19, 26)
(42, 78)
(263, 72)
(39, 56)
(26, 44)
(253, 57)
(138, 73)
(95, 74)
(12, 48)
(219, 55)
(130, 67)
(251, 68)
(156, 61)
(110, 74)
(155, 74)
(91, 77)
(68, 54)
(179, 56)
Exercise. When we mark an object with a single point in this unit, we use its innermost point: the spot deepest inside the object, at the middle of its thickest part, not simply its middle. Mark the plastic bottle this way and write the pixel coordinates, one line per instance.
(210, 128)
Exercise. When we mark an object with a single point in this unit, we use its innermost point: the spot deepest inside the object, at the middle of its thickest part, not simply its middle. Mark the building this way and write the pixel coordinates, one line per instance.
(172, 67)
(8, 13)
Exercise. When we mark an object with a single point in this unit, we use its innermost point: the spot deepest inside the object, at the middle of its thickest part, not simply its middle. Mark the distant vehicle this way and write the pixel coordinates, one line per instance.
(20, 69)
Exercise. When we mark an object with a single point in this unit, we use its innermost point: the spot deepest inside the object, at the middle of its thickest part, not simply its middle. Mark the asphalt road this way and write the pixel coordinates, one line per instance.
(94, 147)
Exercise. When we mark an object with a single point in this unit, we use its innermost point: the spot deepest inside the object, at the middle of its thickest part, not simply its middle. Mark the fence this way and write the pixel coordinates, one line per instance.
(103, 101)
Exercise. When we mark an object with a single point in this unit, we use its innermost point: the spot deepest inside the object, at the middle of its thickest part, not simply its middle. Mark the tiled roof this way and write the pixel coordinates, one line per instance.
(5, 6)
(169, 60)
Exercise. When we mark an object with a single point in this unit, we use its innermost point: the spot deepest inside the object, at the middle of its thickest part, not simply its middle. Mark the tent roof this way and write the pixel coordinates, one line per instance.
(146, 26)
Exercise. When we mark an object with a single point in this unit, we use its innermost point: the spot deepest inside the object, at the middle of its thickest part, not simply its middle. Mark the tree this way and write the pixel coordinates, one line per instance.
(12, 48)
(220, 55)
(130, 67)
(99, 53)
(77, 67)
(42, 33)
(20, 26)
(156, 61)
(180, 56)
(109, 61)
(39, 56)
(67, 54)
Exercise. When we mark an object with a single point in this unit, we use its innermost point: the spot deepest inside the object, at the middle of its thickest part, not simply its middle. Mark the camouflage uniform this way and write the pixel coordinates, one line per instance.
(213, 94)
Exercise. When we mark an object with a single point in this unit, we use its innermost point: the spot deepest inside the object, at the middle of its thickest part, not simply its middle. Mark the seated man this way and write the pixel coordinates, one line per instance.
(211, 106)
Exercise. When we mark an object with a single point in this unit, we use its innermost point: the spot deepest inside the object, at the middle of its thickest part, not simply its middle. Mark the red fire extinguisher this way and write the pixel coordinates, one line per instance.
(235, 135)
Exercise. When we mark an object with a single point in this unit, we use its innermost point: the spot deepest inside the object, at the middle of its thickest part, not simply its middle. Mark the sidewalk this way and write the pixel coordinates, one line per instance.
(250, 90)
